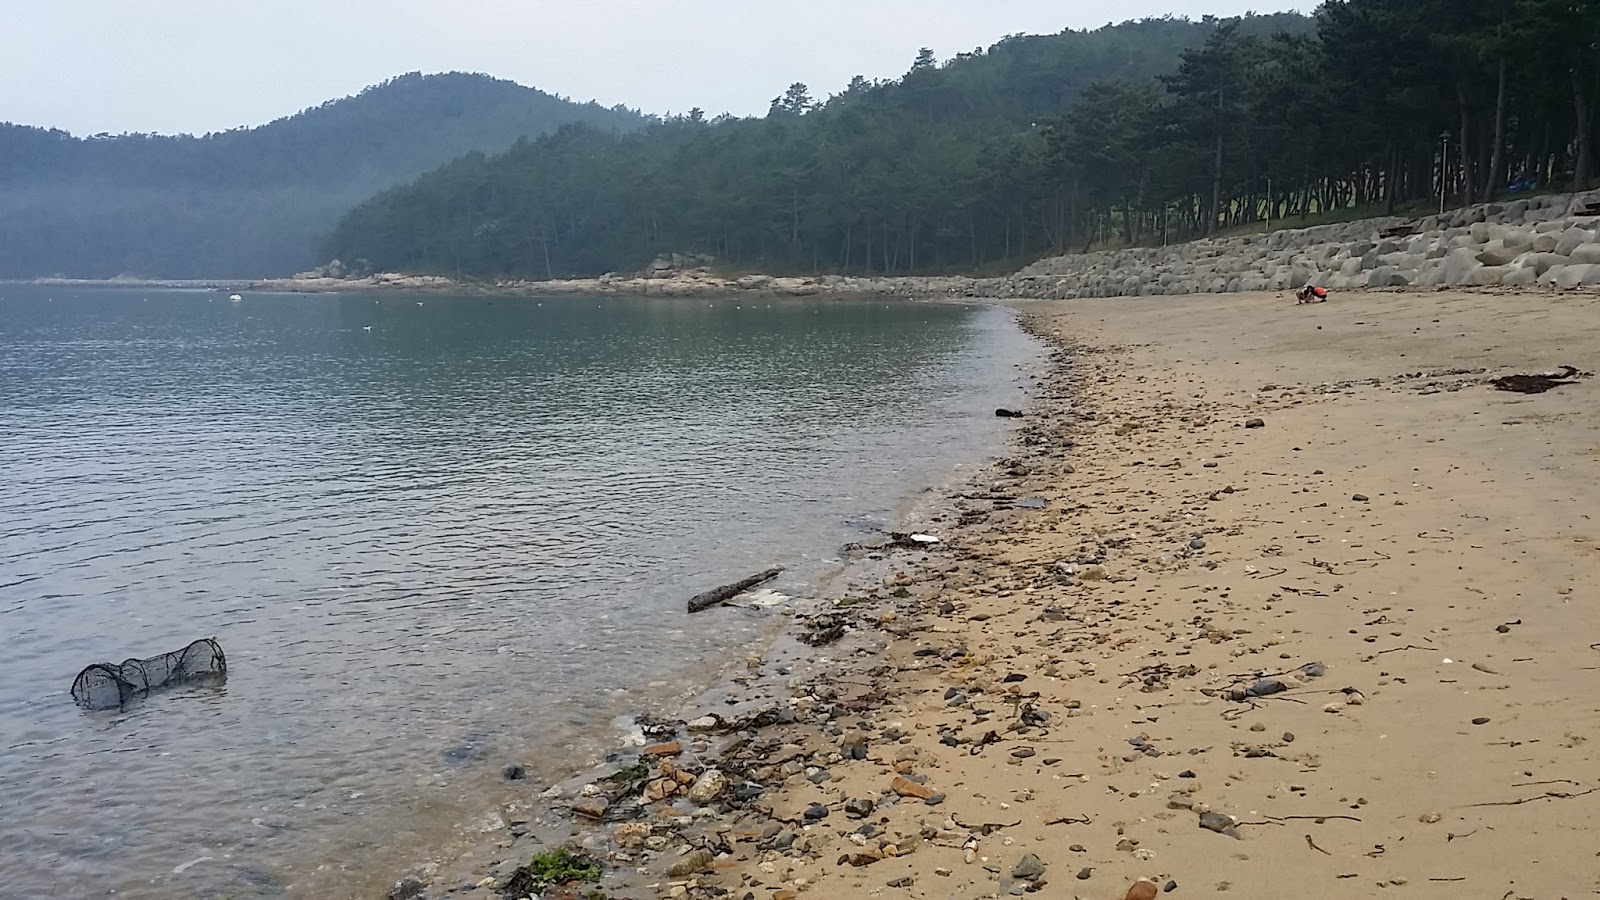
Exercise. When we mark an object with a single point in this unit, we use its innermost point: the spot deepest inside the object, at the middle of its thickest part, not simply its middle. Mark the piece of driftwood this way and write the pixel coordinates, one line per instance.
(1537, 383)
(727, 592)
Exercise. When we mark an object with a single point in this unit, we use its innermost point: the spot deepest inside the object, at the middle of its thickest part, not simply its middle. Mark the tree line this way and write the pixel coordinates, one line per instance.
(248, 201)
(1151, 131)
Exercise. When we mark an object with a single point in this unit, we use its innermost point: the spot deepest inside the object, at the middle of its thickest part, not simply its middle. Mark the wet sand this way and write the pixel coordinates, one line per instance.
(1347, 652)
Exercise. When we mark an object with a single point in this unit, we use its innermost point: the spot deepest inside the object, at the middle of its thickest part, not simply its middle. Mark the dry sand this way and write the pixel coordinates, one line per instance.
(1431, 542)
(1411, 554)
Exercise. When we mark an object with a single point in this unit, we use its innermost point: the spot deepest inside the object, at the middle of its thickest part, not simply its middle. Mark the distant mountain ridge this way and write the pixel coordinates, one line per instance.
(249, 201)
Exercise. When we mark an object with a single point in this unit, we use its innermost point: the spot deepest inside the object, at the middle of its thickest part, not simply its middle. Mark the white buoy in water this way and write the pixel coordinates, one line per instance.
(235, 298)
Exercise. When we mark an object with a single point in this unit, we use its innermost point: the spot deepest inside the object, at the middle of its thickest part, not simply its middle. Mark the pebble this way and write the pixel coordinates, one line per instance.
(903, 881)
(1288, 737)
(708, 787)
(1430, 818)
(1255, 423)
(816, 811)
(696, 861)
(1258, 727)
(1142, 890)
(513, 772)
(858, 808)
(1085, 873)
(1221, 824)
(1029, 868)
(1481, 720)
(1022, 752)
(1359, 498)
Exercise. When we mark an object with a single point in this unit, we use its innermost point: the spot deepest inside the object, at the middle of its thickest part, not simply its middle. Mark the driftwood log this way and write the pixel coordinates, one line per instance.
(727, 592)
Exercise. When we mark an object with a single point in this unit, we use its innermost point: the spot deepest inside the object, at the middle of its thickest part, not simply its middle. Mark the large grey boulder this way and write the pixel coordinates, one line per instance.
(1577, 276)
(1496, 253)
(1572, 239)
(1488, 275)
(1540, 263)
(1585, 254)
(1523, 276)
(1458, 265)
(1545, 243)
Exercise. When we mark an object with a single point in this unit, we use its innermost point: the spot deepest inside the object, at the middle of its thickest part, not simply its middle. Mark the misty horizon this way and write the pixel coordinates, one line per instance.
(136, 73)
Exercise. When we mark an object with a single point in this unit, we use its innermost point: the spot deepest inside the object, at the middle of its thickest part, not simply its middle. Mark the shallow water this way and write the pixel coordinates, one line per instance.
(433, 535)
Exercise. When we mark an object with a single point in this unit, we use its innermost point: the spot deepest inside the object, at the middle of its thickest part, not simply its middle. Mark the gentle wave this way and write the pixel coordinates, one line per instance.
(427, 549)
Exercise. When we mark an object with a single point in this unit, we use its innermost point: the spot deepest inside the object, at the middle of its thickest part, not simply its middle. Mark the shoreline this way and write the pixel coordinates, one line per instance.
(744, 683)
(1340, 653)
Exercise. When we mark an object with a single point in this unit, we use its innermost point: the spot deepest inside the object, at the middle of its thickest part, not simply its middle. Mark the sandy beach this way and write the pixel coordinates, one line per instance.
(1308, 612)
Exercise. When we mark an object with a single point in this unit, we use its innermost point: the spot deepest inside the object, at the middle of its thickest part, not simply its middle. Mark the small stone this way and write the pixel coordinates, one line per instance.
(1258, 727)
(513, 772)
(1359, 498)
(406, 888)
(696, 861)
(1255, 423)
(905, 787)
(1503, 629)
(1022, 752)
(1078, 848)
(1481, 720)
(708, 787)
(1431, 818)
(591, 807)
(1169, 887)
(935, 800)
(1197, 544)
(1029, 868)
(1142, 890)
(858, 808)
(903, 881)
(1127, 845)
(1085, 873)
(670, 748)
(1288, 737)
(815, 812)
(942, 872)
(1221, 824)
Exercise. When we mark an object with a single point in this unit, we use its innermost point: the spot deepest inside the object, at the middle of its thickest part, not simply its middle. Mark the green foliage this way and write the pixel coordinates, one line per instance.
(944, 169)
(1145, 132)
(251, 201)
(553, 868)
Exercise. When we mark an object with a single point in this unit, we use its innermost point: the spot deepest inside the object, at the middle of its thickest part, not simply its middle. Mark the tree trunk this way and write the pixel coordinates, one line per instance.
(1216, 187)
(1497, 160)
(1585, 111)
(1468, 183)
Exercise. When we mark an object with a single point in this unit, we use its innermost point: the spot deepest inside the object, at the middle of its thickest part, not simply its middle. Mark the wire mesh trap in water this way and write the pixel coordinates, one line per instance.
(111, 686)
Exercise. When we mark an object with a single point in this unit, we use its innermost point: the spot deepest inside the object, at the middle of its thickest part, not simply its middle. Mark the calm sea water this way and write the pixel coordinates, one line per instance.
(433, 535)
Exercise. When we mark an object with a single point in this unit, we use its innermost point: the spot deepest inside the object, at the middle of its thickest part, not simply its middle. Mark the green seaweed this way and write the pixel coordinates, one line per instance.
(627, 778)
(553, 868)
(846, 602)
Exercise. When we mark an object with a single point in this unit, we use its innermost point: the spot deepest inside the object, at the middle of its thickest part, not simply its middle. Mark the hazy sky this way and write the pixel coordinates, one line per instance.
(200, 65)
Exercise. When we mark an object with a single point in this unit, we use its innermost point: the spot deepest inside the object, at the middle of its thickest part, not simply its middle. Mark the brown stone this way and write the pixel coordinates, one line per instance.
(905, 787)
(1142, 890)
(670, 748)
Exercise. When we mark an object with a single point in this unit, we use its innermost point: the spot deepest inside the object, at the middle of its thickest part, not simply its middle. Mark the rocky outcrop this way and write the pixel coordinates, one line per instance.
(1538, 241)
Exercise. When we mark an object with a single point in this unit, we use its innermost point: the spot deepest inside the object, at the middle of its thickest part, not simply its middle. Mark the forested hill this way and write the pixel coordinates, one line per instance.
(1141, 132)
(251, 201)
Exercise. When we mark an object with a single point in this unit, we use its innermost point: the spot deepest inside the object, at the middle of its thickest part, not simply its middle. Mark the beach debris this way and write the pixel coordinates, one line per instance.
(721, 595)
(108, 685)
(1539, 382)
